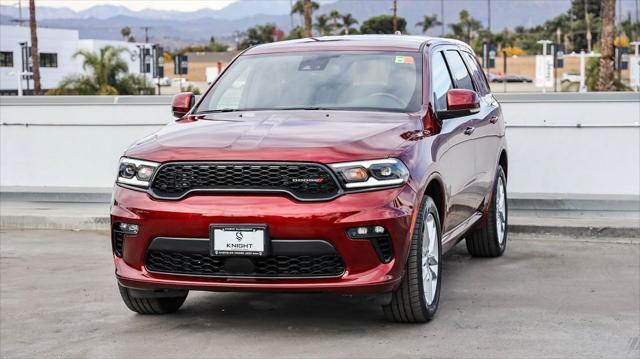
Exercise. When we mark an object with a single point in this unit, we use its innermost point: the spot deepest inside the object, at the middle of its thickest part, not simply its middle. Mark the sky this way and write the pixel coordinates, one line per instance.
(178, 5)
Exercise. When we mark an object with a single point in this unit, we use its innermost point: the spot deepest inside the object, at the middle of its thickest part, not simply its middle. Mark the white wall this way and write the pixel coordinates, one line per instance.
(76, 141)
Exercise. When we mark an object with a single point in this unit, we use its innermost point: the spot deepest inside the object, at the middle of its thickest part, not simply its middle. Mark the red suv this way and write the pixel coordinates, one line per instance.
(342, 164)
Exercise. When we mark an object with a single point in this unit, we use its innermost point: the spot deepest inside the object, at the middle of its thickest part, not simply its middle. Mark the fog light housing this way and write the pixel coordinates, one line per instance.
(365, 232)
(129, 228)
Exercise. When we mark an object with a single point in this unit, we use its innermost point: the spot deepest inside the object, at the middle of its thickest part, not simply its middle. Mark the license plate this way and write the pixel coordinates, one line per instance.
(239, 240)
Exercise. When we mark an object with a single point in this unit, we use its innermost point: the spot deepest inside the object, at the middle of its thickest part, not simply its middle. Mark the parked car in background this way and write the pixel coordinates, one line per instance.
(310, 167)
(508, 78)
(570, 77)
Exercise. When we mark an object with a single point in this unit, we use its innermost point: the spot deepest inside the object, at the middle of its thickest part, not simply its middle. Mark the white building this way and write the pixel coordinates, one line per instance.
(56, 48)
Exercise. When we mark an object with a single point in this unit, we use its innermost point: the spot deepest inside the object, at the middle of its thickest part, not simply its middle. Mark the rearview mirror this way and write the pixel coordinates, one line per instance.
(182, 103)
(460, 102)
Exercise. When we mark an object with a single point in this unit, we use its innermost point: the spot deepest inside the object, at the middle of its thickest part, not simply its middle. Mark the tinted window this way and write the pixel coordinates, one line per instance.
(459, 70)
(48, 60)
(440, 81)
(6, 59)
(477, 74)
(387, 81)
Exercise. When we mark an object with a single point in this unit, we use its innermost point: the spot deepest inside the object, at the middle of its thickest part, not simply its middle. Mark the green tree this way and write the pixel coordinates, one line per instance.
(215, 46)
(105, 74)
(428, 22)
(125, 32)
(257, 35)
(466, 27)
(296, 33)
(347, 22)
(322, 25)
(299, 8)
(334, 15)
(382, 24)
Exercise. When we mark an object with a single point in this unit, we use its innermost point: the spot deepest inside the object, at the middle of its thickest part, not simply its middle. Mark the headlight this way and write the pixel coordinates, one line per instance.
(372, 173)
(136, 172)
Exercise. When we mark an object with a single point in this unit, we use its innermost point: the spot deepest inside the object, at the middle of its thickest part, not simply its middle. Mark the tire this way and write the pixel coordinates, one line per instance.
(152, 302)
(409, 303)
(490, 238)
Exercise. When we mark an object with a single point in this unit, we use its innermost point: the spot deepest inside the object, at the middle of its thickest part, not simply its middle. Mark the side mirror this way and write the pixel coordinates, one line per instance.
(182, 103)
(460, 102)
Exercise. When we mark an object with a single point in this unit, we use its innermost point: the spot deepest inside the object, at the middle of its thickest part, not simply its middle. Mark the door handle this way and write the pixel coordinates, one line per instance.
(493, 119)
(469, 130)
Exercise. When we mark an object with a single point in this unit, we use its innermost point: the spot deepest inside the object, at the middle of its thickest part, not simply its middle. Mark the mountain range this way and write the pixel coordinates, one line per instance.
(174, 28)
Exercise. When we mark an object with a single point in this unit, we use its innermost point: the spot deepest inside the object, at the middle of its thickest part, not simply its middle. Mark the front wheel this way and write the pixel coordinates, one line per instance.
(417, 298)
(490, 238)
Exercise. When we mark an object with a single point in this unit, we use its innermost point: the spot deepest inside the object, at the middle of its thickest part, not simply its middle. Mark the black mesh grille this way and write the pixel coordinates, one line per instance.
(118, 242)
(276, 266)
(383, 247)
(305, 181)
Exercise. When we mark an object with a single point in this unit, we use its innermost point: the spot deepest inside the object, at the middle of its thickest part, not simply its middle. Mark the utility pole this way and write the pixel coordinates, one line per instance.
(146, 33)
(35, 56)
(588, 22)
(395, 16)
(489, 13)
(442, 16)
(19, 12)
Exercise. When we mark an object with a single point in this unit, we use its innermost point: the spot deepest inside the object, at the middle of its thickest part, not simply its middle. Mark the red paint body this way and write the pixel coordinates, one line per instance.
(443, 159)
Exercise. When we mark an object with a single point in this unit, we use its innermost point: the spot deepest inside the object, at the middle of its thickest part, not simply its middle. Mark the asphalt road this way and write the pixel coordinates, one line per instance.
(544, 298)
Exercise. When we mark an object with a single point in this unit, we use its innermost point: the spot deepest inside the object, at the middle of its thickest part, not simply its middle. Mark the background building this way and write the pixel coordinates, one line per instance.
(56, 48)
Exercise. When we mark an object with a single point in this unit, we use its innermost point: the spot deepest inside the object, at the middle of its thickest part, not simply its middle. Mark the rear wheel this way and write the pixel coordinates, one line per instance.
(490, 239)
(153, 301)
(417, 298)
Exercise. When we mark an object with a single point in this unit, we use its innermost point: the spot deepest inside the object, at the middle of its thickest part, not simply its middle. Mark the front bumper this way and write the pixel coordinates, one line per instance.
(286, 219)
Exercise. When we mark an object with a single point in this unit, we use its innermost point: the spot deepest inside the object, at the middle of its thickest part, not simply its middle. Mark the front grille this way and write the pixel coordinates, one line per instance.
(330, 265)
(305, 181)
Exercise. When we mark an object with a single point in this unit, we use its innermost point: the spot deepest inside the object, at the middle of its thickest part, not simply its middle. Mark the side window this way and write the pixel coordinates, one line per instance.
(481, 81)
(459, 70)
(440, 81)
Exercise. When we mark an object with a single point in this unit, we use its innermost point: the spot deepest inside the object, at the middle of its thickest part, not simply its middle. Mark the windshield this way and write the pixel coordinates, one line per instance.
(384, 81)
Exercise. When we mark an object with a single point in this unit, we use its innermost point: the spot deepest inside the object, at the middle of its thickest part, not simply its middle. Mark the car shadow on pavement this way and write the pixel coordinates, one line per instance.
(283, 312)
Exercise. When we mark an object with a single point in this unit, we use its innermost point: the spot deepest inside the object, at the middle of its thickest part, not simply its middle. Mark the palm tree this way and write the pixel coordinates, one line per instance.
(105, 74)
(428, 22)
(322, 25)
(464, 29)
(605, 82)
(35, 56)
(125, 32)
(299, 8)
(308, 13)
(347, 21)
(334, 15)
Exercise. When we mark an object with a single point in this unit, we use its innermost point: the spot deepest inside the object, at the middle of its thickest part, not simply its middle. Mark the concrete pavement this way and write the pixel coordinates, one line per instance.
(545, 298)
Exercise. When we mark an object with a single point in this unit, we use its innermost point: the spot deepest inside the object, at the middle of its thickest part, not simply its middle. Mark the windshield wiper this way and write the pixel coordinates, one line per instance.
(219, 110)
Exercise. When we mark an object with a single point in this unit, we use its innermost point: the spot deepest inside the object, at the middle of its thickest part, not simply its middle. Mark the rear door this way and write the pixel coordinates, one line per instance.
(454, 152)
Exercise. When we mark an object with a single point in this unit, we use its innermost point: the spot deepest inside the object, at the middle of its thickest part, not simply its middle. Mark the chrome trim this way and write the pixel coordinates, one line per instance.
(135, 181)
(371, 182)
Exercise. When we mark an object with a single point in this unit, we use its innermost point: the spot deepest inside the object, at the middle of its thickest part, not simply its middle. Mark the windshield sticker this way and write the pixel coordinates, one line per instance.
(404, 60)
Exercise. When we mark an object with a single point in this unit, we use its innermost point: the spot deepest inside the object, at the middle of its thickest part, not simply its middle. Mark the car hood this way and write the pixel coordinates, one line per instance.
(318, 136)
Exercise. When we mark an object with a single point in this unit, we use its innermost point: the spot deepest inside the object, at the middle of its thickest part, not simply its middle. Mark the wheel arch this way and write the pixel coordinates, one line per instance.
(435, 190)
(504, 163)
